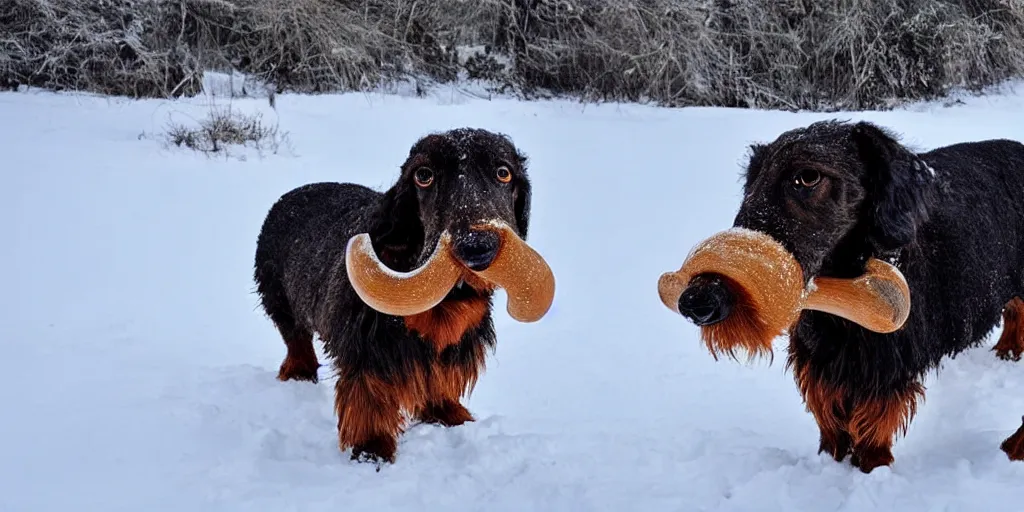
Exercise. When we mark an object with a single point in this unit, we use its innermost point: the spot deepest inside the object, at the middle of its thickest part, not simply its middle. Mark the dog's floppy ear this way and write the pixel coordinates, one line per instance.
(522, 198)
(898, 185)
(757, 154)
(399, 228)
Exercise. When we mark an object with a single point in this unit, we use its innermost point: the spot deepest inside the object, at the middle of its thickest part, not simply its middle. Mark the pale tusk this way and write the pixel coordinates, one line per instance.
(524, 275)
(517, 268)
(879, 300)
(400, 293)
(749, 258)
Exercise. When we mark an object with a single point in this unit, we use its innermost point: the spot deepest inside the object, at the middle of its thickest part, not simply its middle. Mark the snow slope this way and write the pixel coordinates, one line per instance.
(138, 373)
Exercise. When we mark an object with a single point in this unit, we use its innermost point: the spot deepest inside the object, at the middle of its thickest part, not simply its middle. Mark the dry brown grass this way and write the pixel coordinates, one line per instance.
(818, 55)
(770, 54)
(225, 127)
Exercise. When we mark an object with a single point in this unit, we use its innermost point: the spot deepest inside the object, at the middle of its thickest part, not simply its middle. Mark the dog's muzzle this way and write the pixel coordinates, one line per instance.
(477, 249)
(706, 301)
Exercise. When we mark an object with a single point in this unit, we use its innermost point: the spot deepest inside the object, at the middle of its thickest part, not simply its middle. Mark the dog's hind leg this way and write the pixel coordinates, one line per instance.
(875, 423)
(300, 363)
(1011, 342)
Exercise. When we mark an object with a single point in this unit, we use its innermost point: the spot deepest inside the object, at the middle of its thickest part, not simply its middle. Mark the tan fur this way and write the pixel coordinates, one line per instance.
(869, 426)
(372, 410)
(1011, 342)
(445, 324)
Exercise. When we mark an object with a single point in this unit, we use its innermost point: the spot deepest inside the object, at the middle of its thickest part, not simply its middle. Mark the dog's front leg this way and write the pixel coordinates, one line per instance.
(827, 403)
(875, 422)
(447, 384)
(370, 418)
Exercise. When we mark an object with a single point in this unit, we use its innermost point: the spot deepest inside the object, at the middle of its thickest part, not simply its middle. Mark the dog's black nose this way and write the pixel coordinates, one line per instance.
(706, 300)
(477, 249)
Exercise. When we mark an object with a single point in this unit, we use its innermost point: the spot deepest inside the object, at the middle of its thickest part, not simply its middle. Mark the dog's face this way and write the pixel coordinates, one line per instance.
(831, 187)
(829, 192)
(460, 181)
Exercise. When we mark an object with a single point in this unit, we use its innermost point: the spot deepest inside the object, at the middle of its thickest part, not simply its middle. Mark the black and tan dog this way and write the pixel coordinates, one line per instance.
(388, 365)
(951, 220)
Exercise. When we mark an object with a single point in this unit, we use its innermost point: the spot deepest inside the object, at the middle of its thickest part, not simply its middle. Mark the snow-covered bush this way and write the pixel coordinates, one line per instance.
(817, 55)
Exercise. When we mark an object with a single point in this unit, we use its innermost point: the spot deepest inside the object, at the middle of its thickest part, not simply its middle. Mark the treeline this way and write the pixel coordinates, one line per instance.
(817, 55)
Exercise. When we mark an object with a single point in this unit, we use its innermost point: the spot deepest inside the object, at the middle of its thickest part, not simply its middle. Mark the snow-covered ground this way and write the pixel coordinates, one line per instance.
(139, 374)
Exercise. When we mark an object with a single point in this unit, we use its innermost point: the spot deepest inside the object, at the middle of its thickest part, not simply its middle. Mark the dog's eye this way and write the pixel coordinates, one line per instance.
(424, 177)
(807, 178)
(504, 174)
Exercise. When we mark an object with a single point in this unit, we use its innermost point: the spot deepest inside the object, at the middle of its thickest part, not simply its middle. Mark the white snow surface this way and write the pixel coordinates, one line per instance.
(139, 372)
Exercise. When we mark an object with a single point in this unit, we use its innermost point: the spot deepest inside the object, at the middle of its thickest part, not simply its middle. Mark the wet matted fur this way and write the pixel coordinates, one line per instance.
(390, 367)
(951, 220)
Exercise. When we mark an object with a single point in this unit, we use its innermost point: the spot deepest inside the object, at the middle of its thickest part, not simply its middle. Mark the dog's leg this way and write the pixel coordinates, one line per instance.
(369, 413)
(300, 363)
(1011, 342)
(449, 413)
(447, 384)
(875, 423)
(827, 404)
(1013, 446)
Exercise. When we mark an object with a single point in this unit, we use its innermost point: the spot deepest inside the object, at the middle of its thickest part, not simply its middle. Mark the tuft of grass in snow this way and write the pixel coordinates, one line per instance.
(224, 127)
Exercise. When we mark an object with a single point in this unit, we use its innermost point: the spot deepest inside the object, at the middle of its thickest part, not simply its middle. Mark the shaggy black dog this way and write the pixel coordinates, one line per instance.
(387, 365)
(951, 219)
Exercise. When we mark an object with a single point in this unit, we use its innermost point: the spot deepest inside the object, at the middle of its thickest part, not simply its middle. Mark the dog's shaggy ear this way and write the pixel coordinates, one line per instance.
(522, 198)
(756, 154)
(399, 227)
(898, 186)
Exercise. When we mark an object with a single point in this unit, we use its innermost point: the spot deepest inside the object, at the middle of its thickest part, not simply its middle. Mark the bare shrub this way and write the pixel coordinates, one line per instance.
(104, 46)
(225, 127)
(321, 45)
(795, 54)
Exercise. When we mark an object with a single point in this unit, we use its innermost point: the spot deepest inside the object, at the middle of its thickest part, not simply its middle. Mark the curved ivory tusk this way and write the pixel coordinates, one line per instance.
(517, 268)
(524, 275)
(765, 280)
(400, 293)
(769, 285)
(750, 259)
(879, 300)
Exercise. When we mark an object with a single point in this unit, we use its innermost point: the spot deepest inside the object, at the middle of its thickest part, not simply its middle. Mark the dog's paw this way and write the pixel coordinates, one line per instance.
(1008, 353)
(838, 448)
(379, 451)
(448, 413)
(1013, 446)
(868, 458)
(296, 369)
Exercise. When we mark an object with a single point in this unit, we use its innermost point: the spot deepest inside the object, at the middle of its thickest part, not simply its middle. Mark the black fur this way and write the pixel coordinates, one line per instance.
(300, 264)
(951, 219)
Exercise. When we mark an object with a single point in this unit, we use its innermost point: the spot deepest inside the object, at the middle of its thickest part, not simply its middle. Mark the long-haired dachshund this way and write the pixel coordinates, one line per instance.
(389, 365)
(951, 219)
